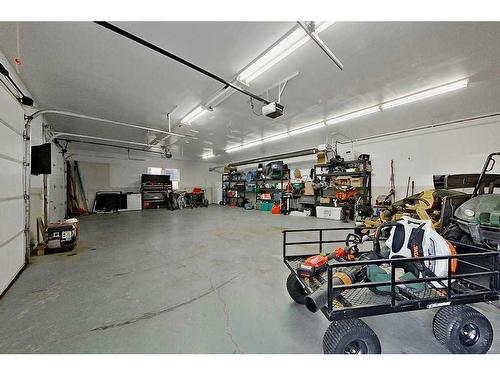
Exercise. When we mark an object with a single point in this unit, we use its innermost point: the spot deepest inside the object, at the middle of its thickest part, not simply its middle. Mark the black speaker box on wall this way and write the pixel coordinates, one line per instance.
(41, 162)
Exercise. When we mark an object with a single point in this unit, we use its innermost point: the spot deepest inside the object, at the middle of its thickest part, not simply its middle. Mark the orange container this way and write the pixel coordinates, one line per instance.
(276, 209)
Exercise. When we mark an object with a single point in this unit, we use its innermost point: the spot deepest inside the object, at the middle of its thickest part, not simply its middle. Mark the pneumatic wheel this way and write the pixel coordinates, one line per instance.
(295, 289)
(462, 330)
(350, 336)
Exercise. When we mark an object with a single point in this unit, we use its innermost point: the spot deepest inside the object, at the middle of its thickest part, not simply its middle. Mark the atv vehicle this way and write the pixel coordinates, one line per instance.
(454, 212)
(477, 219)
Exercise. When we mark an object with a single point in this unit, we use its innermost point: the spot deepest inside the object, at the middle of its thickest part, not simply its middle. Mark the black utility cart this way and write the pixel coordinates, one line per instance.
(460, 328)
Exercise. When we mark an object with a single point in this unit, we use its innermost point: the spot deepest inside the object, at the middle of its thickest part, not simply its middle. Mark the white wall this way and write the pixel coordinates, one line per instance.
(114, 171)
(450, 149)
(56, 185)
(420, 155)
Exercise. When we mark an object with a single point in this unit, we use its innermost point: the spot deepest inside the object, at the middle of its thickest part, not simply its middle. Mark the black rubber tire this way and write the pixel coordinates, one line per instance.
(342, 336)
(449, 325)
(295, 289)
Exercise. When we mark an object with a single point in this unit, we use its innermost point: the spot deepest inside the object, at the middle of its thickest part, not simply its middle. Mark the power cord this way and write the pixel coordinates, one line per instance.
(9, 89)
(253, 108)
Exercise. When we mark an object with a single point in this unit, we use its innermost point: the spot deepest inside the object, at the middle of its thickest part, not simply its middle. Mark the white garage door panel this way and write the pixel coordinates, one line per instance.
(11, 181)
(11, 144)
(11, 112)
(12, 239)
(11, 261)
(12, 219)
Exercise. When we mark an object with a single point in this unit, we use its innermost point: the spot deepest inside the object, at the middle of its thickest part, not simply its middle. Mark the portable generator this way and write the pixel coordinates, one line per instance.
(61, 236)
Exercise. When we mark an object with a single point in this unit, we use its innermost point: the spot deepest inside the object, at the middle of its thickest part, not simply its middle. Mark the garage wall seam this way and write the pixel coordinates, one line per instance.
(3, 122)
(12, 238)
(6, 199)
(9, 158)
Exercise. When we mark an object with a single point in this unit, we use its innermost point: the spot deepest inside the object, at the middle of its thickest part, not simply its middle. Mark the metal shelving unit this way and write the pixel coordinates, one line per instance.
(285, 177)
(233, 183)
(364, 191)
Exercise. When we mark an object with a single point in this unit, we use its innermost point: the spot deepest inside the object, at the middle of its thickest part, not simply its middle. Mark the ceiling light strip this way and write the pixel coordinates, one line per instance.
(421, 95)
(353, 115)
(193, 115)
(275, 137)
(234, 148)
(278, 52)
(251, 144)
(208, 155)
(306, 128)
(359, 113)
(272, 56)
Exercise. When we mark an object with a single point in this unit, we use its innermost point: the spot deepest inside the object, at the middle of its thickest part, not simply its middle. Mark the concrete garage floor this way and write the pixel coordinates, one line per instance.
(207, 280)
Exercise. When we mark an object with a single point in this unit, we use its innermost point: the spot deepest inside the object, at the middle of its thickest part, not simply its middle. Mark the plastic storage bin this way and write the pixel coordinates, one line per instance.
(332, 213)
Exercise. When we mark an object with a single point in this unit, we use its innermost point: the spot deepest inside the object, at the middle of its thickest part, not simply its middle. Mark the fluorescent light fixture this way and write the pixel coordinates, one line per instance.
(273, 138)
(221, 96)
(208, 155)
(307, 128)
(234, 148)
(193, 115)
(251, 144)
(278, 52)
(425, 94)
(243, 146)
(353, 115)
(323, 26)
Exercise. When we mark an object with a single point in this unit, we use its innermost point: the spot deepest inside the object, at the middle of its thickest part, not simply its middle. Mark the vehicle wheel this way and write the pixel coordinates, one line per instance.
(462, 330)
(295, 289)
(350, 336)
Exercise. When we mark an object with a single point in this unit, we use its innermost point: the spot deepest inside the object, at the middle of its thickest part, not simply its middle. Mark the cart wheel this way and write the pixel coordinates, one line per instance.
(350, 336)
(295, 289)
(462, 330)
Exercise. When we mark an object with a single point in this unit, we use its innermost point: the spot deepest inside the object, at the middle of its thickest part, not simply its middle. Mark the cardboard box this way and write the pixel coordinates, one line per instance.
(356, 181)
(325, 200)
(308, 189)
(321, 158)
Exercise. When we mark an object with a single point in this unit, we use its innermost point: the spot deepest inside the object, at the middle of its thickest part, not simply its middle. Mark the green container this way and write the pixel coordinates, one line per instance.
(266, 206)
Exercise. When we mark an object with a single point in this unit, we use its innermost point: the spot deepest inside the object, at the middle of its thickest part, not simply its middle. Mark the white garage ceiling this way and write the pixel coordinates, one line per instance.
(85, 68)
